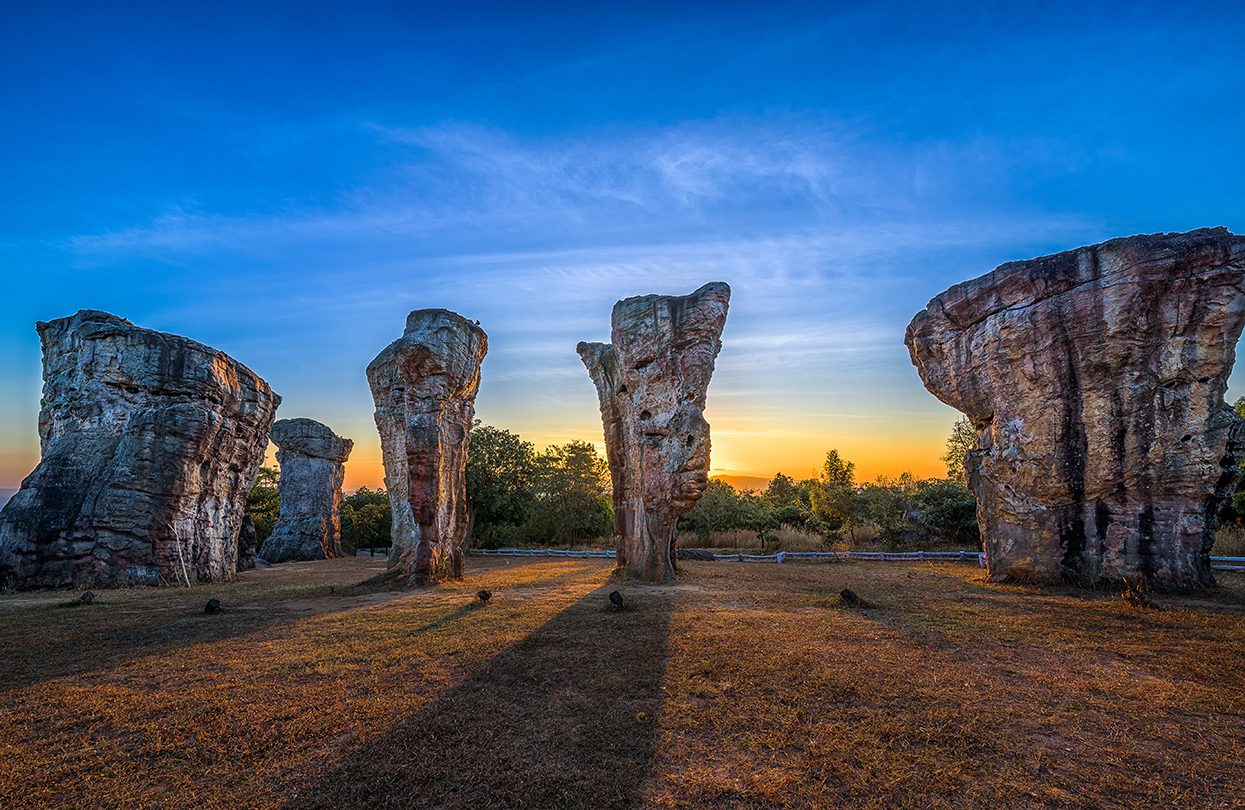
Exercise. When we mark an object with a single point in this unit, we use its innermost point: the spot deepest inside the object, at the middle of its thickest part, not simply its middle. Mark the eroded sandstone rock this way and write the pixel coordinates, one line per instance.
(150, 443)
(312, 459)
(1095, 379)
(247, 544)
(424, 386)
(651, 382)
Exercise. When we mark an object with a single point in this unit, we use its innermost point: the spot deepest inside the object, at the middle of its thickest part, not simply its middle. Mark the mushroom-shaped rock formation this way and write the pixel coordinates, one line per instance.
(1095, 379)
(424, 386)
(312, 459)
(651, 382)
(150, 444)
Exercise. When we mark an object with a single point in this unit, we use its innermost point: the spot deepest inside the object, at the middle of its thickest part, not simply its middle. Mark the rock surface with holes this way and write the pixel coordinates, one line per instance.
(150, 443)
(1095, 379)
(424, 387)
(652, 380)
(312, 459)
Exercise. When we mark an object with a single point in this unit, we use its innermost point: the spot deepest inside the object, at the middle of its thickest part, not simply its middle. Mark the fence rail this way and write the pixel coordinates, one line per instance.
(1216, 563)
(542, 552)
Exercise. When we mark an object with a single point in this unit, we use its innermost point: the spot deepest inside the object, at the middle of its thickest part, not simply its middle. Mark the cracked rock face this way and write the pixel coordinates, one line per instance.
(424, 387)
(247, 544)
(651, 381)
(1095, 379)
(312, 459)
(150, 443)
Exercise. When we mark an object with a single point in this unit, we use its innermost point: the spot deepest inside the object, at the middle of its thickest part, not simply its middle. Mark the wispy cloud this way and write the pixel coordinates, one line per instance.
(830, 243)
(450, 182)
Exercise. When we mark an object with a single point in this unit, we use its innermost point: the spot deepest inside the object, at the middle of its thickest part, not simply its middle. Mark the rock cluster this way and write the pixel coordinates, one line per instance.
(1095, 379)
(651, 381)
(150, 443)
(312, 459)
(424, 387)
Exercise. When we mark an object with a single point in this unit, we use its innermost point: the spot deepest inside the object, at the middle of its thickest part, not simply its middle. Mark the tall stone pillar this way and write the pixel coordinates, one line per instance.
(424, 386)
(312, 459)
(651, 381)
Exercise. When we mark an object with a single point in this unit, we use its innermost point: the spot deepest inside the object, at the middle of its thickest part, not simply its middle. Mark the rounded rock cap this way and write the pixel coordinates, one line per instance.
(310, 438)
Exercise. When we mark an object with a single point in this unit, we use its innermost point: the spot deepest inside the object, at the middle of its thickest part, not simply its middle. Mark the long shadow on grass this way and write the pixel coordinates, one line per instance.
(54, 640)
(51, 642)
(107, 645)
(567, 717)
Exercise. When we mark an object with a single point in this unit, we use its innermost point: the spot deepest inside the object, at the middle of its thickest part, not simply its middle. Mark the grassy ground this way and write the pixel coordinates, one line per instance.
(743, 686)
(1230, 541)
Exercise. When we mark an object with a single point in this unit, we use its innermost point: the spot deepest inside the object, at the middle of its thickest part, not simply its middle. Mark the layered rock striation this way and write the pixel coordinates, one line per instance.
(651, 381)
(1095, 379)
(424, 387)
(312, 459)
(150, 443)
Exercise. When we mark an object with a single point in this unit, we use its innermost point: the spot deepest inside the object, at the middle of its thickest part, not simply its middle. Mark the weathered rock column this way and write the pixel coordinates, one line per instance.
(424, 386)
(1095, 379)
(150, 444)
(247, 544)
(312, 459)
(651, 382)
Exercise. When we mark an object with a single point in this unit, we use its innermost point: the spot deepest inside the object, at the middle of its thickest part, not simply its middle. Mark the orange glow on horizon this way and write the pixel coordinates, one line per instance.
(882, 450)
(876, 447)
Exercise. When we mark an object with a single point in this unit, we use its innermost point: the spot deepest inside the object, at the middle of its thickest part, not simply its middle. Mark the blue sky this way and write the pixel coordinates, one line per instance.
(285, 183)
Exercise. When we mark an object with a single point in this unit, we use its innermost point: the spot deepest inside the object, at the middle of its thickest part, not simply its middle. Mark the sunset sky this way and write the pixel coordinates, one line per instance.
(286, 183)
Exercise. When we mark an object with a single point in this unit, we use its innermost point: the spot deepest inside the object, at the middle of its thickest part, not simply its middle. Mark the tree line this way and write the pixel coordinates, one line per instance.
(516, 496)
(898, 510)
(561, 497)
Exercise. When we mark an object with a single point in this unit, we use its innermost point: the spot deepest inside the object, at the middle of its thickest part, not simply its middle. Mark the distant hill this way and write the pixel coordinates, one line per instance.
(5, 494)
(744, 483)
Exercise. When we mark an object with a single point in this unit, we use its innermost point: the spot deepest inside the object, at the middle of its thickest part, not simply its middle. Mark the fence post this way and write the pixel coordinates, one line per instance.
(920, 555)
(778, 557)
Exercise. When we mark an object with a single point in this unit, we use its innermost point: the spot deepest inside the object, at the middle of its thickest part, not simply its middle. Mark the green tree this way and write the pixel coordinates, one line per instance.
(501, 469)
(963, 438)
(789, 500)
(720, 508)
(263, 503)
(948, 512)
(366, 520)
(758, 515)
(834, 499)
(572, 488)
(889, 504)
(782, 489)
(837, 471)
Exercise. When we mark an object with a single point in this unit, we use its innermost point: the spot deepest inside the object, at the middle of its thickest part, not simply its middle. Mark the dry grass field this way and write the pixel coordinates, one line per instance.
(744, 686)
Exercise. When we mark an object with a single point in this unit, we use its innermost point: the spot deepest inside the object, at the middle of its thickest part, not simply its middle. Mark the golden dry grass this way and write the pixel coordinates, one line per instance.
(744, 686)
(784, 538)
(1230, 541)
